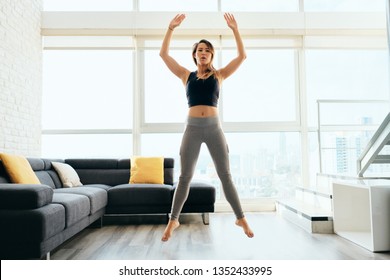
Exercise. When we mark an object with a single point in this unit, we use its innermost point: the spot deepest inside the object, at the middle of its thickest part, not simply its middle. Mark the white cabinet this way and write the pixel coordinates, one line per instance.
(361, 212)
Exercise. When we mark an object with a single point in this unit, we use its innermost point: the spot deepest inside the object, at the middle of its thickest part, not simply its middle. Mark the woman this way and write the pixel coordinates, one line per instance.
(203, 126)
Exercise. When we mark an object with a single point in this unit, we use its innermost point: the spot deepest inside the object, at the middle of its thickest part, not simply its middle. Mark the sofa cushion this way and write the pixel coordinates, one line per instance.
(49, 178)
(110, 177)
(99, 171)
(4, 177)
(19, 169)
(45, 172)
(147, 170)
(97, 196)
(140, 194)
(32, 224)
(99, 186)
(76, 206)
(168, 169)
(93, 163)
(67, 174)
(37, 164)
(24, 196)
(201, 193)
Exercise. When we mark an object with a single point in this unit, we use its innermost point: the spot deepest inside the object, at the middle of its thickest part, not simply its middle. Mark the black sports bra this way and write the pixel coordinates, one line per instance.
(202, 91)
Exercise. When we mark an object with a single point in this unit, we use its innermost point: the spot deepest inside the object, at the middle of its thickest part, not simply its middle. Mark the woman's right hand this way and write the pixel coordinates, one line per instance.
(230, 20)
(176, 21)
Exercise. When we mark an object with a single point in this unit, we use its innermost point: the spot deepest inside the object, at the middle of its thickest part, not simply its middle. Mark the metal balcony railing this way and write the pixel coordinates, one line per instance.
(370, 154)
(380, 139)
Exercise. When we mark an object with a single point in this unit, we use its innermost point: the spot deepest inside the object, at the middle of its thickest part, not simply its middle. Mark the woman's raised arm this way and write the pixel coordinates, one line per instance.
(233, 65)
(172, 64)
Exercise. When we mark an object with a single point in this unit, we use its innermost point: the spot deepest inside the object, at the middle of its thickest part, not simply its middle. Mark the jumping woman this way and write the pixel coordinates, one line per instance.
(203, 125)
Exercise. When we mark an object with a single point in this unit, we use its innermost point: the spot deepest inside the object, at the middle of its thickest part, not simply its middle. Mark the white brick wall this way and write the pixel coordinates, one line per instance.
(20, 77)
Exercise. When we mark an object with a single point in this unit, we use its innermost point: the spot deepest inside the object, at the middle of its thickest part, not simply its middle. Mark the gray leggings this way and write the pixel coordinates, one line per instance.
(209, 131)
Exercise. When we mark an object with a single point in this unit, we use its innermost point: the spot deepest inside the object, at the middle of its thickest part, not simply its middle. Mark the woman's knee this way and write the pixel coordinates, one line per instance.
(184, 181)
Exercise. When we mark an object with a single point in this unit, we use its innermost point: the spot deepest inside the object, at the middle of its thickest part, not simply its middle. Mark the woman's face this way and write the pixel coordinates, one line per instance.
(203, 54)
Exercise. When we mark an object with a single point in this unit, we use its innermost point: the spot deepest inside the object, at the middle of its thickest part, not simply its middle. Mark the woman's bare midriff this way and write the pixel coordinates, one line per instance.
(203, 111)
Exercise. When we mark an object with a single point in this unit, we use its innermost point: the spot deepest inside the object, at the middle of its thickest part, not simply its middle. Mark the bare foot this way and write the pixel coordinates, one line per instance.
(171, 226)
(244, 224)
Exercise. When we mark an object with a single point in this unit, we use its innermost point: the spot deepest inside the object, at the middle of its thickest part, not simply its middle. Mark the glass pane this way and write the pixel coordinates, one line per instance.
(165, 96)
(87, 146)
(88, 42)
(265, 164)
(87, 5)
(354, 113)
(263, 88)
(344, 5)
(314, 162)
(87, 89)
(178, 5)
(261, 5)
(345, 75)
(341, 149)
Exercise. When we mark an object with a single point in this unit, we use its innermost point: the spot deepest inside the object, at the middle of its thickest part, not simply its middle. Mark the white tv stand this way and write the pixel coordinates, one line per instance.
(361, 212)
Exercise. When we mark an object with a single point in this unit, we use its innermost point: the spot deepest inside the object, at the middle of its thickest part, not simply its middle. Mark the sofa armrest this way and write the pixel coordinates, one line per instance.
(24, 196)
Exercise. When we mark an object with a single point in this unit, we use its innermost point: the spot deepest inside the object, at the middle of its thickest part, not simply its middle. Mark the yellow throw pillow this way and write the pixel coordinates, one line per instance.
(19, 169)
(147, 170)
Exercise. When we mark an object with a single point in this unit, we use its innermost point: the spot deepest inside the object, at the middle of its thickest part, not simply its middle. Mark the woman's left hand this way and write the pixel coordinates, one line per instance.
(230, 20)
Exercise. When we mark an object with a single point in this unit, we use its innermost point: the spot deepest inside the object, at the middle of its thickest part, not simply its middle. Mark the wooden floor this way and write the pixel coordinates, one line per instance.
(138, 238)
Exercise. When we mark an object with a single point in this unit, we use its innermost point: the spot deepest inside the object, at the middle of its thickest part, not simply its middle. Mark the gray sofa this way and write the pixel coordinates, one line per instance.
(35, 219)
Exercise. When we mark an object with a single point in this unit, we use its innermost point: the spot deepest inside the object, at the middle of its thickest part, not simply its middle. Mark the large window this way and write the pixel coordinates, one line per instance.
(345, 75)
(92, 89)
(255, 91)
(347, 93)
(263, 164)
(165, 96)
(87, 93)
(302, 102)
(82, 145)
